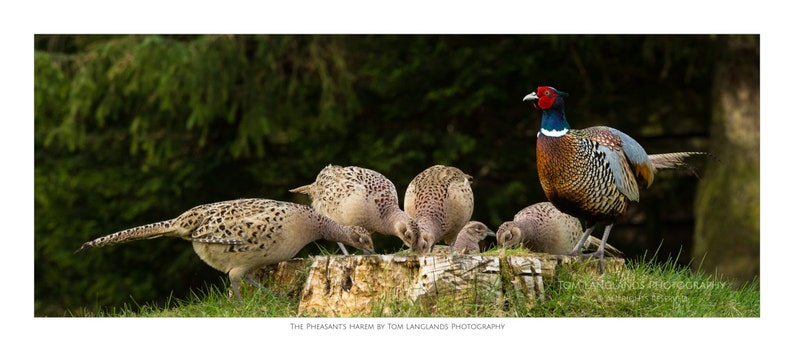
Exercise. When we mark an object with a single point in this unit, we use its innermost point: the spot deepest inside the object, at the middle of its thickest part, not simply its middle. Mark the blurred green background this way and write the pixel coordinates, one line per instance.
(133, 129)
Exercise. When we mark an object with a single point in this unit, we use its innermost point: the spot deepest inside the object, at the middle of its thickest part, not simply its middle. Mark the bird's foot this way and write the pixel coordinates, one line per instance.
(591, 254)
(344, 250)
(250, 279)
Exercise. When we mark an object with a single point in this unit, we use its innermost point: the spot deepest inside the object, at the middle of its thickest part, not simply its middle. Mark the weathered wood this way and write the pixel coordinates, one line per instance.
(526, 276)
(358, 285)
(349, 285)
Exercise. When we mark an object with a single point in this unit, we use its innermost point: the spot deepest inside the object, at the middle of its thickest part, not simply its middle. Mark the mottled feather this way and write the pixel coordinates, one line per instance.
(440, 198)
(237, 236)
(541, 227)
(672, 160)
(470, 236)
(592, 173)
(359, 196)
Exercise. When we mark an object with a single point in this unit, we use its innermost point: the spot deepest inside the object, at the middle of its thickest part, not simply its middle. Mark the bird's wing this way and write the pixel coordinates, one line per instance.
(409, 201)
(627, 160)
(217, 240)
(459, 204)
(239, 224)
(379, 188)
(637, 158)
(239, 231)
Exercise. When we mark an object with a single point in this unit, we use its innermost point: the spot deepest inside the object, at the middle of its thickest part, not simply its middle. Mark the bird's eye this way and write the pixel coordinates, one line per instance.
(547, 93)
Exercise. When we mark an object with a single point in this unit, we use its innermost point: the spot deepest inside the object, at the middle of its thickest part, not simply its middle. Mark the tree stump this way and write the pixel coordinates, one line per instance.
(343, 286)
(286, 277)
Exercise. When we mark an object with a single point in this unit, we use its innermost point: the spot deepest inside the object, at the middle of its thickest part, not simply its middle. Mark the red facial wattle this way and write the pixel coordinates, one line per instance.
(545, 101)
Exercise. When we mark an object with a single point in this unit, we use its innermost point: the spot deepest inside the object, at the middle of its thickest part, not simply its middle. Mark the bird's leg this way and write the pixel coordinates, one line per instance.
(600, 250)
(578, 248)
(235, 284)
(342, 247)
(599, 253)
(235, 274)
(250, 279)
(236, 289)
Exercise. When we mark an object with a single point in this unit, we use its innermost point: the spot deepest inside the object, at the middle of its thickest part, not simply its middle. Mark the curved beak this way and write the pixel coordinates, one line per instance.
(531, 97)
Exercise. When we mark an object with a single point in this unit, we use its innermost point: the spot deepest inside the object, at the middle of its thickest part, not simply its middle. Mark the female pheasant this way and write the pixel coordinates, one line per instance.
(470, 236)
(356, 196)
(591, 173)
(442, 202)
(238, 236)
(541, 227)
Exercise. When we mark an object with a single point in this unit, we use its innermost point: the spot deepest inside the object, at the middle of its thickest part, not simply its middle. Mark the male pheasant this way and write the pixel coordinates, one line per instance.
(541, 227)
(359, 196)
(591, 173)
(441, 201)
(238, 236)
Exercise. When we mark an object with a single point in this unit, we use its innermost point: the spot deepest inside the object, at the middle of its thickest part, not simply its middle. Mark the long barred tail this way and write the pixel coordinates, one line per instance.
(147, 231)
(305, 189)
(672, 160)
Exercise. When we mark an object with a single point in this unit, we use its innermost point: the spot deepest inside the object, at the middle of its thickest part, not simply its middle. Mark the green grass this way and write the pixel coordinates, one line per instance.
(215, 302)
(645, 289)
(642, 289)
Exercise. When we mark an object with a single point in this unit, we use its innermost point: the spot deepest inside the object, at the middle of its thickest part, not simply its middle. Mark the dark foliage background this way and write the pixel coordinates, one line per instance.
(134, 129)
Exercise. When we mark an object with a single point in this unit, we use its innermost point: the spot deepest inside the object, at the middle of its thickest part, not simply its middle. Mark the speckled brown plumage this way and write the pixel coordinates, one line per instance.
(577, 176)
(441, 200)
(541, 227)
(359, 196)
(470, 236)
(591, 173)
(237, 236)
